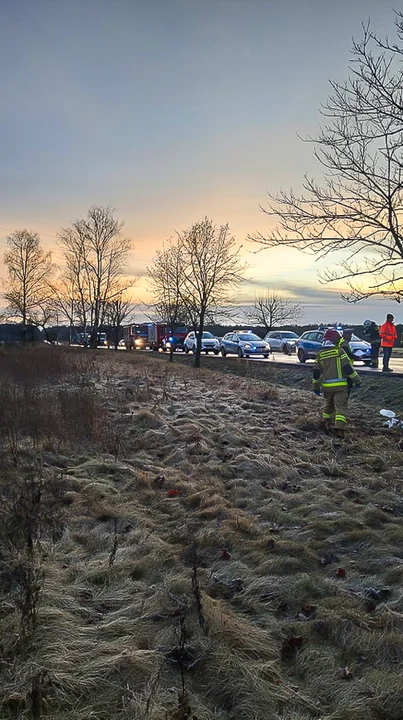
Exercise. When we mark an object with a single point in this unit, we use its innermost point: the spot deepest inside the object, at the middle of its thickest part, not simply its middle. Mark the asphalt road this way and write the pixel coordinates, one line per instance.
(278, 358)
(396, 363)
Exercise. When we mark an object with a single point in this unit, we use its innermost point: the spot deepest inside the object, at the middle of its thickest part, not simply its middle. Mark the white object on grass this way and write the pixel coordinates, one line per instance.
(390, 423)
(387, 413)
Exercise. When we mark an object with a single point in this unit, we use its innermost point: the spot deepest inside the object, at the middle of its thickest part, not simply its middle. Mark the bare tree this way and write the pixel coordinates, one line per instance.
(95, 253)
(210, 269)
(271, 310)
(67, 300)
(166, 275)
(29, 268)
(358, 207)
(118, 309)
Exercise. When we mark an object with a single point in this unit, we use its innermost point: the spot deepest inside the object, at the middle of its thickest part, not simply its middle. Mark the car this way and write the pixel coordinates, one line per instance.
(209, 343)
(244, 343)
(310, 342)
(282, 340)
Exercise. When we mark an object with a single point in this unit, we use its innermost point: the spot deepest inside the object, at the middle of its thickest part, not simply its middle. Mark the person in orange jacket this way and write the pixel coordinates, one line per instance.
(388, 334)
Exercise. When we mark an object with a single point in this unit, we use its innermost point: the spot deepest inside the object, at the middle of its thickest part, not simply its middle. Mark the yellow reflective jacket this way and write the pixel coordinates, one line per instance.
(332, 369)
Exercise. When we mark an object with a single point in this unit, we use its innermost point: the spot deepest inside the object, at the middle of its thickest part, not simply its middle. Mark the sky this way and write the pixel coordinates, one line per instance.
(170, 110)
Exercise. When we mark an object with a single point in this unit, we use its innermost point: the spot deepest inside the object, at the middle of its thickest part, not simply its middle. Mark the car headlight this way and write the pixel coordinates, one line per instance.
(247, 346)
(137, 342)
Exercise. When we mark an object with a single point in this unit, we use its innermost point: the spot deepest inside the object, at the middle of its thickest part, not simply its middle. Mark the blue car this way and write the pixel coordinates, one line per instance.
(310, 342)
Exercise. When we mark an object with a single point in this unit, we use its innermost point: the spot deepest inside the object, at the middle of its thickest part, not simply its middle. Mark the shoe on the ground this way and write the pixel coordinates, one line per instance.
(326, 427)
(339, 433)
(387, 370)
(374, 366)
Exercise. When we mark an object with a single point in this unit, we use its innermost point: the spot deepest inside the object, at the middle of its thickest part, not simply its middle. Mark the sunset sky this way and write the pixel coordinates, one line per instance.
(169, 110)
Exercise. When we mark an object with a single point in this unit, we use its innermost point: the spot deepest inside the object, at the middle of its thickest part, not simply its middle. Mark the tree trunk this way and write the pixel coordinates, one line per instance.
(45, 330)
(199, 340)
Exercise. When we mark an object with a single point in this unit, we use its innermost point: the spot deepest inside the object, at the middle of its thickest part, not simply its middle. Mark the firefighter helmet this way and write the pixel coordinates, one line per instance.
(332, 336)
(367, 323)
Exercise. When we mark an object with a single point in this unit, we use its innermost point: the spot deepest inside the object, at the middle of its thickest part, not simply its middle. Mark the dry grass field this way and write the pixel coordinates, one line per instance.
(179, 544)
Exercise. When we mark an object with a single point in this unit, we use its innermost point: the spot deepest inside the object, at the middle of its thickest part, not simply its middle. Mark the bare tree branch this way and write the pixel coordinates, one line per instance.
(271, 310)
(358, 207)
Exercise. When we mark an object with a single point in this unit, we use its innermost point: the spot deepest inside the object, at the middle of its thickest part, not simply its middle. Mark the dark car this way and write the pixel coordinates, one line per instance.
(310, 342)
(244, 344)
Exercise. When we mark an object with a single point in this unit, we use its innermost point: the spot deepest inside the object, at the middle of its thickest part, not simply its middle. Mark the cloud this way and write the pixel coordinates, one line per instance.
(301, 293)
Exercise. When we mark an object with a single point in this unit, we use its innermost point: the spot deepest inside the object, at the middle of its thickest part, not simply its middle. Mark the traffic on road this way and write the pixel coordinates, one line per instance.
(278, 346)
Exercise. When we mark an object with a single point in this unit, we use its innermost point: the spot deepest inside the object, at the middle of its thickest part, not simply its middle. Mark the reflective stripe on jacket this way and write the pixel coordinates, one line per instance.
(388, 334)
(332, 368)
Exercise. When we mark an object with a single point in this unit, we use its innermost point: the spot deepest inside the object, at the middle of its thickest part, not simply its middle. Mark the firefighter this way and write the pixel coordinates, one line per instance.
(345, 343)
(388, 334)
(331, 371)
(371, 332)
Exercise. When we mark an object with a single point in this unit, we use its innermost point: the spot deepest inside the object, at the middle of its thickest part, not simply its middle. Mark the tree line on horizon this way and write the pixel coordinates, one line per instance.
(356, 209)
(193, 278)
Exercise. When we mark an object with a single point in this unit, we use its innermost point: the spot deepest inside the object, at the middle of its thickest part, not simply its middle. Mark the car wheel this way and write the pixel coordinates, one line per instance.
(301, 356)
(207, 352)
(240, 353)
(194, 350)
(265, 357)
(186, 350)
(216, 352)
(223, 352)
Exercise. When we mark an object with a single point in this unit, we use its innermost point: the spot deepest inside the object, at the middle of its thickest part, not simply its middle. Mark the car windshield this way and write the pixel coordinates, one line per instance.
(249, 336)
(289, 335)
(355, 338)
(208, 335)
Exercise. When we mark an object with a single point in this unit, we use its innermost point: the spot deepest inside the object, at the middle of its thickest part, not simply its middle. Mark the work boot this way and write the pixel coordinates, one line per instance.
(339, 433)
(326, 426)
(387, 370)
(374, 365)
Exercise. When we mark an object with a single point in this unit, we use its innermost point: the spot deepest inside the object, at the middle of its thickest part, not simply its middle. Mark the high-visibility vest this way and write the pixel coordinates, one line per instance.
(388, 334)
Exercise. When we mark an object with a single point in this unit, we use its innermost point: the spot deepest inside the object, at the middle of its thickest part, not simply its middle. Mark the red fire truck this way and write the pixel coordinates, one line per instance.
(162, 336)
(136, 336)
(154, 336)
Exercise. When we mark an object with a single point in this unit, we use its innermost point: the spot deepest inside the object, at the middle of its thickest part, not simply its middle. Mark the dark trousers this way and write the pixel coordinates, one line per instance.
(375, 353)
(387, 352)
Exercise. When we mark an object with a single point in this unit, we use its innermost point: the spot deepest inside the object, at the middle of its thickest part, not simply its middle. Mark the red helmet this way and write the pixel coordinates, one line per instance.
(332, 336)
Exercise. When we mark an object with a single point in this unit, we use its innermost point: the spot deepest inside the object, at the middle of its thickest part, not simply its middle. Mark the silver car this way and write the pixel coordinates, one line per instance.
(282, 340)
(244, 343)
(209, 343)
